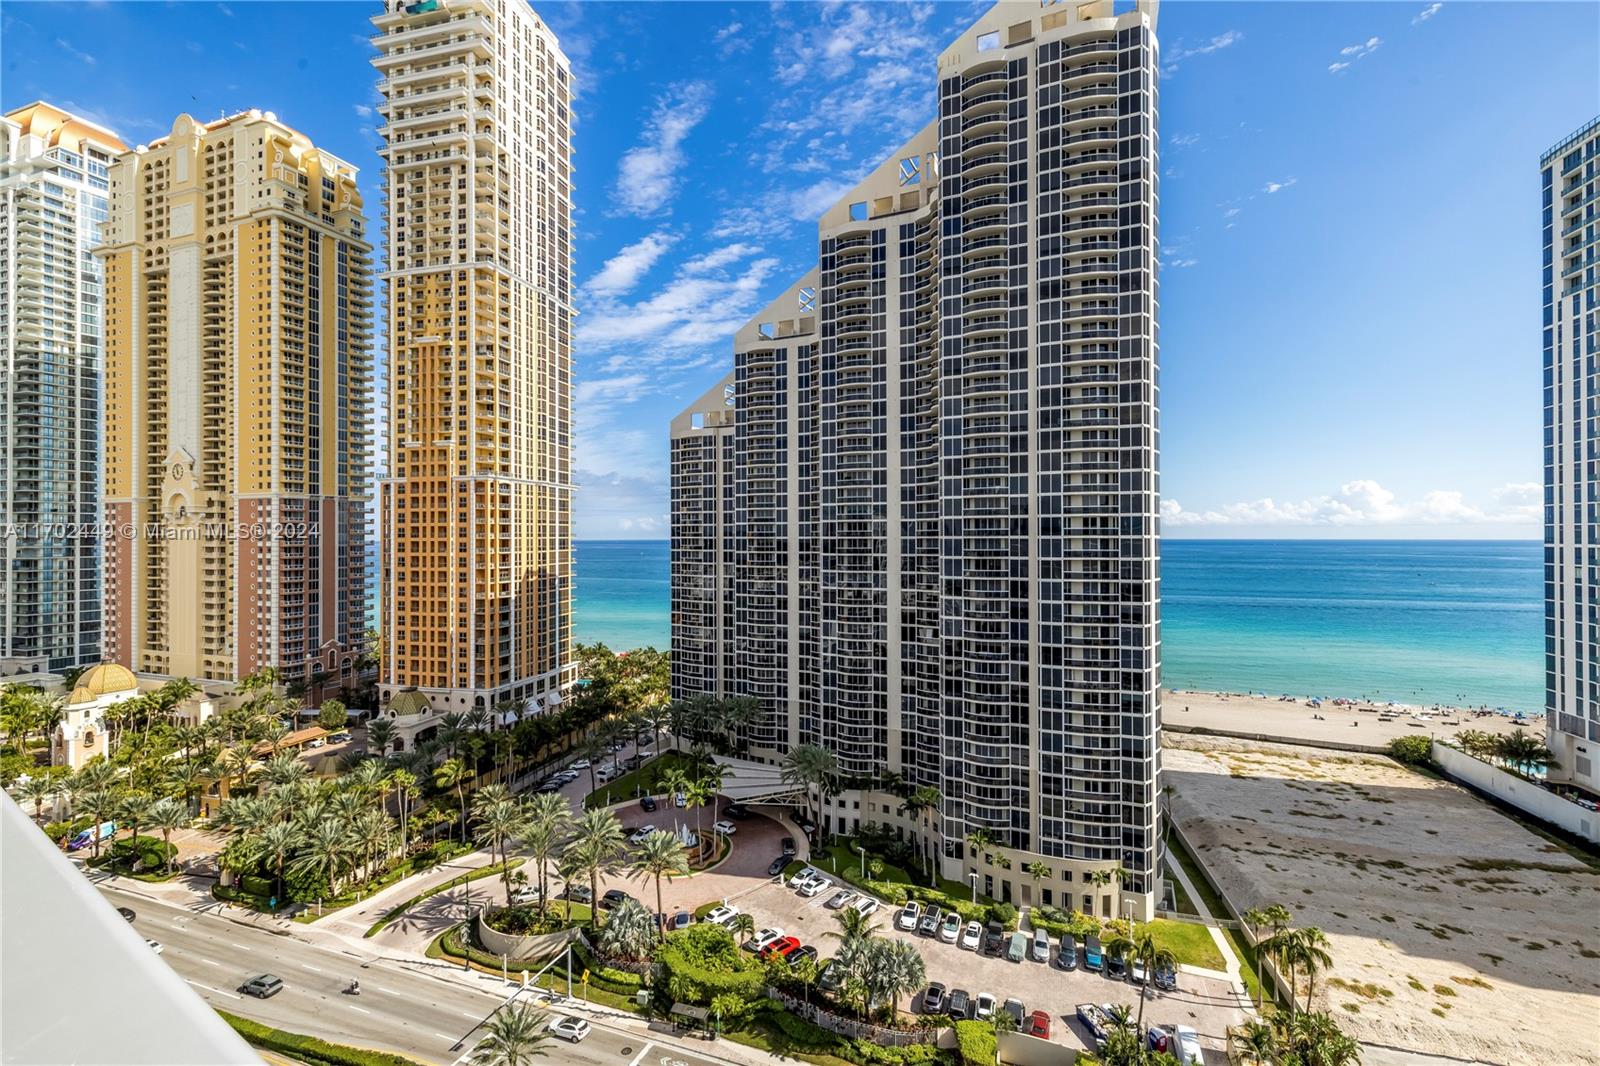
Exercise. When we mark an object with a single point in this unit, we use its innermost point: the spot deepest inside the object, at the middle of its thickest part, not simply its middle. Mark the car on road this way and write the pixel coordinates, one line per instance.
(613, 898)
(840, 900)
(727, 829)
(780, 947)
(733, 810)
(1041, 946)
(816, 886)
(1067, 952)
(1165, 977)
(950, 929)
(972, 936)
(638, 835)
(155, 945)
(762, 938)
(775, 867)
(1039, 1025)
(262, 986)
(959, 1005)
(581, 764)
(573, 1029)
(721, 915)
(933, 999)
(1015, 1008)
(1092, 959)
(787, 846)
(525, 895)
(679, 920)
(983, 1007)
(908, 916)
(647, 804)
(929, 924)
(994, 938)
(866, 905)
(804, 951)
(127, 912)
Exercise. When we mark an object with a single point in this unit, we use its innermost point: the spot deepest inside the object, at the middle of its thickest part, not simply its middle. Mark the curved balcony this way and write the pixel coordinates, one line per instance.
(985, 207)
(985, 74)
(987, 104)
(987, 145)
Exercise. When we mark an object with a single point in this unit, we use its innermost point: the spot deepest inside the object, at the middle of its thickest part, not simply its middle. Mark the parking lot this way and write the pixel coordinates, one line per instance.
(1204, 1003)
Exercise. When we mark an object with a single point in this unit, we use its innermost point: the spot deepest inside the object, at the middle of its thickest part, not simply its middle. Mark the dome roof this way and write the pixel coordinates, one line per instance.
(80, 696)
(412, 702)
(108, 677)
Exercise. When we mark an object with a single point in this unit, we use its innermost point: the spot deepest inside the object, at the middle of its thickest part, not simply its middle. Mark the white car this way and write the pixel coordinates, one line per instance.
(1188, 1046)
(951, 929)
(762, 938)
(866, 905)
(972, 936)
(816, 887)
(679, 799)
(721, 915)
(727, 829)
(983, 1007)
(840, 900)
(155, 945)
(525, 894)
(909, 915)
(573, 1029)
(581, 764)
(638, 835)
(804, 874)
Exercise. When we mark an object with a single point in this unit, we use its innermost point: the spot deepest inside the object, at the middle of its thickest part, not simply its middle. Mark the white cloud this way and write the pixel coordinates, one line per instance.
(623, 389)
(1334, 68)
(1274, 186)
(1426, 13)
(720, 257)
(363, 110)
(630, 504)
(1179, 263)
(118, 124)
(1353, 53)
(76, 53)
(649, 175)
(622, 271)
(1367, 503)
(1216, 44)
(729, 41)
(1183, 140)
(688, 312)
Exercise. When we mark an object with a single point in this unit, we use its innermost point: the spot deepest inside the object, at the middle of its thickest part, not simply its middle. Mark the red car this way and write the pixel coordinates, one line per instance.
(1039, 1025)
(780, 948)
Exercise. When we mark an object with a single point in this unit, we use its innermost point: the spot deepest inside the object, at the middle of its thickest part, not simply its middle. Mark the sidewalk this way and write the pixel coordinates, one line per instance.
(1229, 959)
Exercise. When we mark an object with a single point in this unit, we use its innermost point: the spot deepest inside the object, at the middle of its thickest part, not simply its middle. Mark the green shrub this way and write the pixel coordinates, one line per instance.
(256, 886)
(703, 962)
(867, 1053)
(1055, 929)
(1004, 913)
(975, 1041)
(308, 1049)
(806, 1034)
(1412, 750)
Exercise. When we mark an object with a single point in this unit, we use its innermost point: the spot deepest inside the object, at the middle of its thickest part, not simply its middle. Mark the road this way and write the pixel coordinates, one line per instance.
(431, 1019)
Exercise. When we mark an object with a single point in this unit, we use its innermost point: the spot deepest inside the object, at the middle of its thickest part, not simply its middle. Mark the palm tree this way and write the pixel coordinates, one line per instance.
(903, 972)
(629, 931)
(811, 766)
(1273, 915)
(742, 925)
(498, 822)
(1308, 949)
(452, 728)
(1038, 871)
(37, 790)
(543, 834)
(275, 842)
(673, 781)
(326, 852)
(696, 795)
(853, 926)
(101, 805)
(922, 803)
(367, 778)
(515, 1036)
(1257, 1040)
(404, 781)
(380, 736)
(660, 854)
(1141, 945)
(135, 811)
(453, 774)
(167, 815)
(596, 843)
(592, 750)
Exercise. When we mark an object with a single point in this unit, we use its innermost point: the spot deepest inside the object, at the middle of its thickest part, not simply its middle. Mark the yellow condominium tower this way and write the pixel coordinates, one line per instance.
(238, 394)
(476, 511)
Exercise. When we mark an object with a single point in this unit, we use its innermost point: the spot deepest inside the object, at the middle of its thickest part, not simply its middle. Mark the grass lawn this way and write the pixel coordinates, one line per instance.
(646, 780)
(839, 857)
(1192, 944)
(1236, 938)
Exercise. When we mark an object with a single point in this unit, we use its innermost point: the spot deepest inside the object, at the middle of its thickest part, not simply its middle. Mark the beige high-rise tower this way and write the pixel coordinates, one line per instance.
(237, 402)
(476, 511)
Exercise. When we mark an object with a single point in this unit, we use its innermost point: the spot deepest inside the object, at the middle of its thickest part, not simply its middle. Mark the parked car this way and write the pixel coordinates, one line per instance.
(972, 936)
(994, 938)
(679, 920)
(865, 904)
(816, 886)
(638, 835)
(1041, 946)
(733, 810)
(721, 915)
(1039, 1025)
(1092, 959)
(1014, 1008)
(933, 999)
(840, 900)
(831, 979)
(951, 928)
(804, 951)
(647, 804)
(1116, 966)
(983, 1007)
(526, 894)
(959, 1005)
(262, 986)
(573, 1029)
(613, 898)
(802, 875)
(581, 764)
(762, 938)
(777, 865)
(1017, 948)
(1165, 977)
(579, 894)
(908, 916)
(317, 742)
(1188, 1050)
(727, 829)
(1067, 952)
(788, 846)
(1136, 972)
(340, 737)
(679, 799)
(780, 947)
(929, 925)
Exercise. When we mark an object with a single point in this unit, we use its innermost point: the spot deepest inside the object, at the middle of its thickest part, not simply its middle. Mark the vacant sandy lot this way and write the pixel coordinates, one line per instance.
(1453, 930)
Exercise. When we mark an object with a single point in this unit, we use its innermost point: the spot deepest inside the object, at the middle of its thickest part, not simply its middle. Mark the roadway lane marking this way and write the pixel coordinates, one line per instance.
(363, 1010)
(308, 966)
(474, 1017)
(642, 1052)
(211, 962)
(208, 988)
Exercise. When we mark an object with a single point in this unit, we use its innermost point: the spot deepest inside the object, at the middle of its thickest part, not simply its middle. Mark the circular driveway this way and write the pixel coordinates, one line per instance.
(756, 841)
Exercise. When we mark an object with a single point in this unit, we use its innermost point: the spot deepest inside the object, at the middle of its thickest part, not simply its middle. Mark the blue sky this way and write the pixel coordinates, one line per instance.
(1350, 303)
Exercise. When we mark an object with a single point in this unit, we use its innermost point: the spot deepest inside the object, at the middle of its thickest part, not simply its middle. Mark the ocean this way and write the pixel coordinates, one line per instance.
(1412, 621)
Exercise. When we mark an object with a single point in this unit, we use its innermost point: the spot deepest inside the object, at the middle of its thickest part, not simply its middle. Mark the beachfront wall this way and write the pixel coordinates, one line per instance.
(1521, 794)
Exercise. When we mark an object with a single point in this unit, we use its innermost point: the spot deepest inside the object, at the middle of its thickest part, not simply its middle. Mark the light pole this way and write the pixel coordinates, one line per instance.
(863, 852)
(973, 877)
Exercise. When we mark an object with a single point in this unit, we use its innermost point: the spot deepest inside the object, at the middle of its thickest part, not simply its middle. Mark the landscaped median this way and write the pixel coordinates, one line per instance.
(309, 1049)
(455, 882)
(645, 781)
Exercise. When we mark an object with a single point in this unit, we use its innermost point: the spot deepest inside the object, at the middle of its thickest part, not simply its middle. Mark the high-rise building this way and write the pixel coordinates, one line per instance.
(1570, 178)
(703, 531)
(476, 513)
(237, 405)
(53, 182)
(946, 477)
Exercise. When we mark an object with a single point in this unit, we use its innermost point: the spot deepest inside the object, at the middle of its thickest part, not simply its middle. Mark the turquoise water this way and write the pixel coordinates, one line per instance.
(1414, 621)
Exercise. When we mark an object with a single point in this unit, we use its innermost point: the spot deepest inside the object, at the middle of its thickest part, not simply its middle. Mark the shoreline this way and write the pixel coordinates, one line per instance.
(1354, 722)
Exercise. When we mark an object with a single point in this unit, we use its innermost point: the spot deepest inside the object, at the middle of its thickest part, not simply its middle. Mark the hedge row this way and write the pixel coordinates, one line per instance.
(308, 1049)
(975, 1040)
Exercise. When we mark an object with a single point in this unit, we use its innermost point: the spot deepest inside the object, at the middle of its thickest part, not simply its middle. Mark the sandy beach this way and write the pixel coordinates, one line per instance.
(1365, 723)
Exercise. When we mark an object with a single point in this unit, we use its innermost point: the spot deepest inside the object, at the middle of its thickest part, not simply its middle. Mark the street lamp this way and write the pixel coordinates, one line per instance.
(863, 852)
(973, 877)
(1127, 908)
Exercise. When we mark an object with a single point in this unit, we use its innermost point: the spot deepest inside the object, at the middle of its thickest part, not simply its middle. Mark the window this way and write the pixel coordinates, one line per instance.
(988, 42)
(858, 211)
(808, 299)
(910, 171)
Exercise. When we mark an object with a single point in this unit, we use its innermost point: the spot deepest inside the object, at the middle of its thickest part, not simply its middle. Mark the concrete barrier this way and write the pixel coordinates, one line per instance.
(522, 948)
(1524, 795)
